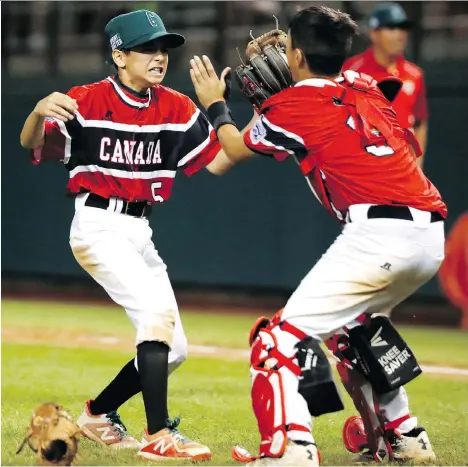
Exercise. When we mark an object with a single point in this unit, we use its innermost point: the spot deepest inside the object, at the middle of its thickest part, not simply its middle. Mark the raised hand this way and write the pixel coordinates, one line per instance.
(208, 86)
(57, 105)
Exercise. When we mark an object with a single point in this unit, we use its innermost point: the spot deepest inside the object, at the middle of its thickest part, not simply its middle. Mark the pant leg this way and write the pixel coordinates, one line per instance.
(109, 247)
(394, 407)
(373, 265)
(178, 353)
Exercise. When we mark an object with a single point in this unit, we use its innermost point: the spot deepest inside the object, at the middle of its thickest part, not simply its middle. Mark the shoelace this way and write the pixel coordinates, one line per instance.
(172, 425)
(116, 422)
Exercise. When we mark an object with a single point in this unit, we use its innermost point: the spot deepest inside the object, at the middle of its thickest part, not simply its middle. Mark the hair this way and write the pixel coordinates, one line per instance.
(325, 36)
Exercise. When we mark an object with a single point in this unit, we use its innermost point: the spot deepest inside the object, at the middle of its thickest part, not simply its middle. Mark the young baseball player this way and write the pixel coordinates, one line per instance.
(361, 165)
(123, 140)
(389, 26)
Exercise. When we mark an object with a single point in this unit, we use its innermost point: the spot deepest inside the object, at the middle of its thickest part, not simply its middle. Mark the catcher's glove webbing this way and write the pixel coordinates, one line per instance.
(266, 71)
(53, 435)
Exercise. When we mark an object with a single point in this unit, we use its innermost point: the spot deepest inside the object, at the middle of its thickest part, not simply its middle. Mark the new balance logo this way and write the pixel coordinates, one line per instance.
(377, 341)
(105, 433)
(161, 447)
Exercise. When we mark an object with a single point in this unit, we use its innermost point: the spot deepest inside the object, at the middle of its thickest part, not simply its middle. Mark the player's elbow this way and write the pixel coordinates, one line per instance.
(29, 142)
(218, 168)
(220, 164)
(25, 142)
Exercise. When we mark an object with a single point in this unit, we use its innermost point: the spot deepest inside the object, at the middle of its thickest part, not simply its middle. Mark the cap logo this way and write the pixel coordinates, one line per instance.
(115, 41)
(373, 23)
(152, 18)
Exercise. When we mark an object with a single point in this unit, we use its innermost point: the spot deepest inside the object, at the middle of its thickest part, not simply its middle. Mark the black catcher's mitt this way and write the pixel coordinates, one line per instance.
(266, 70)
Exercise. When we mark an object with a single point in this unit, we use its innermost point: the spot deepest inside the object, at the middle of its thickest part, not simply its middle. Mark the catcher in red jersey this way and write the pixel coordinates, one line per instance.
(123, 140)
(362, 166)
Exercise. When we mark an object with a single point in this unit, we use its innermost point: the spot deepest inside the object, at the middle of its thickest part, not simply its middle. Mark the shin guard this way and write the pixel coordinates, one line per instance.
(374, 360)
(267, 392)
(368, 430)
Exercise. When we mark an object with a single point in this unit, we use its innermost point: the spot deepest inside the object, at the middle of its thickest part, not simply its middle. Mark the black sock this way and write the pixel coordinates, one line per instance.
(153, 370)
(124, 386)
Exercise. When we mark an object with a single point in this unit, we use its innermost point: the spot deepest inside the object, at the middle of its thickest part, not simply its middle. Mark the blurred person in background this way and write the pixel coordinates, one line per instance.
(453, 274)
(389, 27)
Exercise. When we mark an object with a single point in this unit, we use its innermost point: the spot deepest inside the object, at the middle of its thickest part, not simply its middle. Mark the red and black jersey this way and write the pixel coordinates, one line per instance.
(126, 145)
(348, 144)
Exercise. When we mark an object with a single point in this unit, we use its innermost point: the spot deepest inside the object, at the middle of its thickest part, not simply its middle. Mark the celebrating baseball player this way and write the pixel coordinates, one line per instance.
(122, 140)
(389, 26)
(361, 164)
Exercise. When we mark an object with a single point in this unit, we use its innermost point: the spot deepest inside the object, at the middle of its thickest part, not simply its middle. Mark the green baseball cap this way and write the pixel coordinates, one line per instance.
(139, 27)
(389, 15)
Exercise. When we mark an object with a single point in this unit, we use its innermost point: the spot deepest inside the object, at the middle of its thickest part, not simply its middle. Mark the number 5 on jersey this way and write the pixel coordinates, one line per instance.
(379, 151)
(154, 187)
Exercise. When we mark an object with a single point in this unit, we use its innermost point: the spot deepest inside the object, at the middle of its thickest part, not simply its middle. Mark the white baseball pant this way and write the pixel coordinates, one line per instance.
(374, 264)
(117, 251)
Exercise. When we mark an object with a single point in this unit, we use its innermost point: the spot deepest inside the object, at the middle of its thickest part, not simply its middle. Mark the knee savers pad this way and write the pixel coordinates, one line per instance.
(382, 356)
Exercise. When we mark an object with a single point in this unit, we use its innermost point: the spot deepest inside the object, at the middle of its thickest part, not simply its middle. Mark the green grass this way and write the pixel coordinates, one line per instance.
(431, 346)
(212, 396)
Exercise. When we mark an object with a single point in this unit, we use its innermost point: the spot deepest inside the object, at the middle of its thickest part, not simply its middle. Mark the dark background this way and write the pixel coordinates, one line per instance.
(256, 229)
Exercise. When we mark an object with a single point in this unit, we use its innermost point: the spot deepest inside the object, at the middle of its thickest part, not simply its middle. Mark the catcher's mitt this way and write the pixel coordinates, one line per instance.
(53, 435)
(266, 70)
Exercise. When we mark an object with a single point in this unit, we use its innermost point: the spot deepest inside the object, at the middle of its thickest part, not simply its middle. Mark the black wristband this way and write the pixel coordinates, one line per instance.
(219, 115)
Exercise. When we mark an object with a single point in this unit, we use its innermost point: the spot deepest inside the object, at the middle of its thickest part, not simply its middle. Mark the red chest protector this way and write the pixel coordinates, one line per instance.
(361, 94)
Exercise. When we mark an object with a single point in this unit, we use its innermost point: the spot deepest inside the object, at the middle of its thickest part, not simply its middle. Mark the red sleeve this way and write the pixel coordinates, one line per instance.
(420, 109)
(56, 140)
(57, 137)
(272, 134)
(200, 144)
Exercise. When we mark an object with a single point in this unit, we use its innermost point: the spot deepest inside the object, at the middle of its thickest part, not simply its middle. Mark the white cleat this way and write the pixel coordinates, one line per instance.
(106, 429)
(411, 446)
(295, 455)
(414, 446)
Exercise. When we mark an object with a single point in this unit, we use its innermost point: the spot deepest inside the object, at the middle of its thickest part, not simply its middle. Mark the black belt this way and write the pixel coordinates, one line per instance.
(397, 212)
(135, 209)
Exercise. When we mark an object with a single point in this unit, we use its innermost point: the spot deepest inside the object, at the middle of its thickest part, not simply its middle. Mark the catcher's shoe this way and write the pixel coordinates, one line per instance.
(411, 446)
(169, 443)
(107, 429)
(296, 454)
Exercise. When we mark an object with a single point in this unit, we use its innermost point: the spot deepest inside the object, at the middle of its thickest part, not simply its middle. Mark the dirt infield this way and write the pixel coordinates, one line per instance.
(69, 339)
